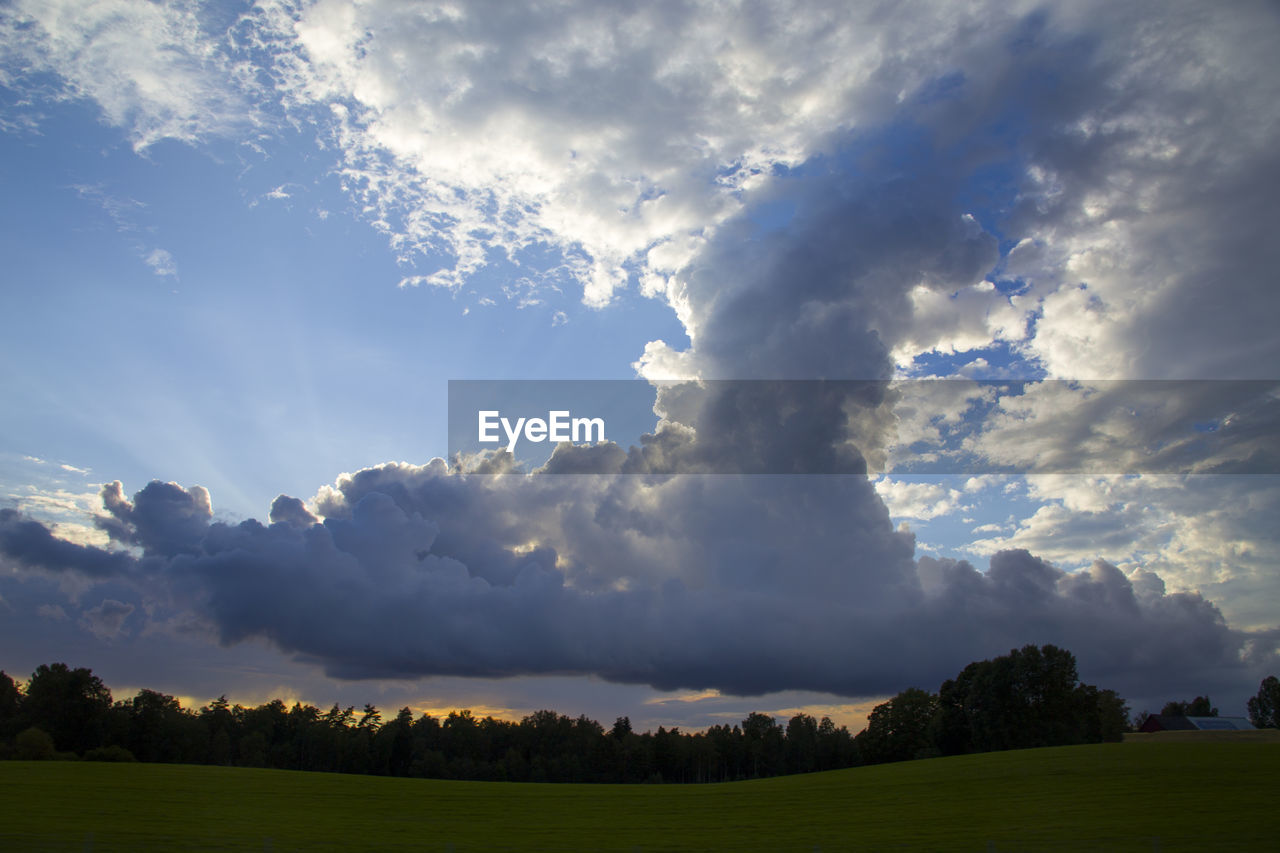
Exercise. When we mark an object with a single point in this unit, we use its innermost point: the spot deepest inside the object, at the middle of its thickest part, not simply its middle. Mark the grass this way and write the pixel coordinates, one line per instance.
(1166, 794)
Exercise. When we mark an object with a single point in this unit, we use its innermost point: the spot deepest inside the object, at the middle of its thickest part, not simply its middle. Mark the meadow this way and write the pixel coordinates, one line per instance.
(1150, 793)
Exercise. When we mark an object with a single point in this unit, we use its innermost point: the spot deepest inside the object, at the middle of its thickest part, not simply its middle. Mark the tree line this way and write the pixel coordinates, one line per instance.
(1028, 698)
(64, 712)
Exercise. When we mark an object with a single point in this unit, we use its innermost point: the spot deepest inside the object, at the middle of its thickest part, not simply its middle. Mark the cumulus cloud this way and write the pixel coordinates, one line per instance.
(1211, 534)
(164, 518)
(1110, 176)
(676, 582)
(621, 136)
(1142, 214)
(1120, 630)
(1121, 153)
(918, 500)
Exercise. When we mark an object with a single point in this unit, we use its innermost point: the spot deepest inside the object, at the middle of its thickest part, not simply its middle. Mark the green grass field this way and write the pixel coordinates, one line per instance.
(1151, 793)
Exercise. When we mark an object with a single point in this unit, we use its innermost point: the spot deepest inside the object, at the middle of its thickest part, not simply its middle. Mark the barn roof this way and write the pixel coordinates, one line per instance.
(1220, 724)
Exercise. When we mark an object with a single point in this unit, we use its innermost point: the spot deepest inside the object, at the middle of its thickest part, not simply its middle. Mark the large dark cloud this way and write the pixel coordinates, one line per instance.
(687, 581)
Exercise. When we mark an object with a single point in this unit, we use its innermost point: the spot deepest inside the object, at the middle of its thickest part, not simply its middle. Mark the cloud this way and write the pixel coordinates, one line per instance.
(1124, 427)
(164, 518)
(152, 69)
(1123, 633)
(623, 138)
(1210, 534)
(52, 612)
(161, 262)
(823, 298)
(918, 500)
(635, 143)
(30, 544)
(1134, 209)
(106, 621)
(1141, 220)
(121, 210)
(676, 582)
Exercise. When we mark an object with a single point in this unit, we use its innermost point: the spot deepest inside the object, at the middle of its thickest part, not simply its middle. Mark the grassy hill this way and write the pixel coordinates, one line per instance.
(1147, 794)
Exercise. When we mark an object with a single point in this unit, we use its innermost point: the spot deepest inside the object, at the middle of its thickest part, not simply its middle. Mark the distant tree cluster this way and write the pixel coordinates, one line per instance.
(1201, 706)
(1030, 697)
(65, 712)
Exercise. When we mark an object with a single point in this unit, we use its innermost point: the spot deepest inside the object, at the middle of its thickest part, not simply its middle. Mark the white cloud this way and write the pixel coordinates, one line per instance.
(161, 262)
(918, 500)
(620, 136)
(151, 68)
(626, 138)
(1143, 223)
(59, 501)
(1211, 534)
(970, 318)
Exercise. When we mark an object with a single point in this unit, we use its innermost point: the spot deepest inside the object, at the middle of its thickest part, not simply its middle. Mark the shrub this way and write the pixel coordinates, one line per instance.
(33, 745)
(109, 753)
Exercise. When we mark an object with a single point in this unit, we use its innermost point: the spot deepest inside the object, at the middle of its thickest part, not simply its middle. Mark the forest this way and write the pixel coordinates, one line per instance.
(1030, 697)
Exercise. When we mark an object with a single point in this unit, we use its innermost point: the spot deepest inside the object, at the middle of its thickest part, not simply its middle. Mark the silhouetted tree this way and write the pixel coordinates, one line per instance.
(899, 729)
(220, 729)
(1197, 707)
(1103, 715)
(158, 729)
(802, 744)
(10, 697)
(71, 705)
(1029, 697)
(395, 743)
(1264, 709)
(764, 744)
(835, 746)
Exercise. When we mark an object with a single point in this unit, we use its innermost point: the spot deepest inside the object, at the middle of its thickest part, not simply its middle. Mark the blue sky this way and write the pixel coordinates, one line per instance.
(273, 324)
(248, 245)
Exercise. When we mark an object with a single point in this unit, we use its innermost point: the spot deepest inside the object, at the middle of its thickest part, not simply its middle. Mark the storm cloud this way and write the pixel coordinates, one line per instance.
(698, 582)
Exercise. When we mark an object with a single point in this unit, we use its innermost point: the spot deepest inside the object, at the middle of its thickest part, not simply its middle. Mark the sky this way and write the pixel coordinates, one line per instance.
(1027, 247)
